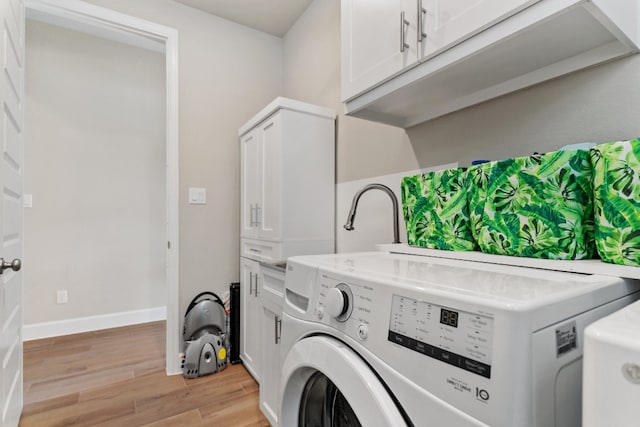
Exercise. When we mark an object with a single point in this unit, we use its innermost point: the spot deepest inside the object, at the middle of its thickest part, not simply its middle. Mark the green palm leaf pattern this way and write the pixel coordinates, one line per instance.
(616, 177)
(435, 210)
(538, 206)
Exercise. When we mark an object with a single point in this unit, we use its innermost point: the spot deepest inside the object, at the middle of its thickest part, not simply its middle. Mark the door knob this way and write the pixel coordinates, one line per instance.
(15, 265)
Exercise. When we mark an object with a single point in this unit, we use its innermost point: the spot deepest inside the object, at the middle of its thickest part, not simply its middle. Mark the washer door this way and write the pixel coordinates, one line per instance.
(325, 383)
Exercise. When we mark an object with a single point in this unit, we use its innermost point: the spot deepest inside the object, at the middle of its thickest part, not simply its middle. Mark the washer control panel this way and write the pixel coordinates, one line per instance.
(456, 337)
(342, 302)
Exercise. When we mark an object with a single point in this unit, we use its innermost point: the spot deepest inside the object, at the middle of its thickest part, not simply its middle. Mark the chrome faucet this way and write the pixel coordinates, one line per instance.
(354, 205)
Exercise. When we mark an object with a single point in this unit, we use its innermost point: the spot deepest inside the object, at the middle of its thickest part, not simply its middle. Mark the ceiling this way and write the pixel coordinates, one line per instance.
(270, 16)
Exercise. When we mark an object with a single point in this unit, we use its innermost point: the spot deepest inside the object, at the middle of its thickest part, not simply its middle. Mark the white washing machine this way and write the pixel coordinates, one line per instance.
(379, 339)
(612, 370)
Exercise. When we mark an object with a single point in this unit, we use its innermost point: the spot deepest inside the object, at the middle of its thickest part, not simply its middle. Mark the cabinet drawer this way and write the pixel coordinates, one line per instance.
(260, 250)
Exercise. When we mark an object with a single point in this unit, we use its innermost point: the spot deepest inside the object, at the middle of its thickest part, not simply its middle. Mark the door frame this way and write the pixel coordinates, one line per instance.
(139, 32)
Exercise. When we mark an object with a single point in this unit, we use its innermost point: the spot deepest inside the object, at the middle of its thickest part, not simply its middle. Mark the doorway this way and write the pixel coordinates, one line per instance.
(107, 24)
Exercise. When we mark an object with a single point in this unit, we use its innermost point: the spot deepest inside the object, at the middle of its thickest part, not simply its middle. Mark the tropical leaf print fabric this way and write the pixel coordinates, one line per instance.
(616, 186)
(539, 206)
(435, 211)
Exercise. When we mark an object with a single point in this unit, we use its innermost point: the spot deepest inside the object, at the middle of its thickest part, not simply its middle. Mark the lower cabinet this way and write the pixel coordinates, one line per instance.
(272, 288)
(250, 317)
(269, 383)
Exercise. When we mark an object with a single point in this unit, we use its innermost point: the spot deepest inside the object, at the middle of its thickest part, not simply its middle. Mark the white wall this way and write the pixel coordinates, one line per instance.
(227, 73)
(94, 163)
(597, 104)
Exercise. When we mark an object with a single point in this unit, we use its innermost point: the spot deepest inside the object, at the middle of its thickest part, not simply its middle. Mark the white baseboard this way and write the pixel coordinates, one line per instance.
(77, 325)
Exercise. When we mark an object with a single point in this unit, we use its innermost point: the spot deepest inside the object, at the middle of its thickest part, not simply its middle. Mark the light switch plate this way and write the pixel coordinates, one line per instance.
(197, 196)
(27, 200)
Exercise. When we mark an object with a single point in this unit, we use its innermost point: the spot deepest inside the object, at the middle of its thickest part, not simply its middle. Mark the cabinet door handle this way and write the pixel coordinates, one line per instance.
(255, 293)
(250, 283)
(421, 14)
(277, 329)
(258, 209)
(403, 23)
(251, 223)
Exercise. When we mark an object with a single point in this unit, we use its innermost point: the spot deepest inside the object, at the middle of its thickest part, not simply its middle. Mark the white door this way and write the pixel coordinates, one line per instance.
(249, 184)
(11, 95)
(250, 316)
(374, 34)
(270, 170)
(447, 22)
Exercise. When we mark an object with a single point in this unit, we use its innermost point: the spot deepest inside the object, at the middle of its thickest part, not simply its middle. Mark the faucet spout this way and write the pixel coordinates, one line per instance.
(394, 200)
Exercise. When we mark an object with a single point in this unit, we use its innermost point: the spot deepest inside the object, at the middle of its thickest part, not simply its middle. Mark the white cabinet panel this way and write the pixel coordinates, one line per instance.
(261, 180)
(260, 250)
(249, 183)
(449, 22)
(270, 170)
(376, 42)
(272, 298)
(250, 313)
(271, 322)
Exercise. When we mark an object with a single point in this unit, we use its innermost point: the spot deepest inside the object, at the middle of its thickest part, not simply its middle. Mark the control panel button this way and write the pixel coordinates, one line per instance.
(336, 302)
(320, 312)
(363, 331)
(339, 302)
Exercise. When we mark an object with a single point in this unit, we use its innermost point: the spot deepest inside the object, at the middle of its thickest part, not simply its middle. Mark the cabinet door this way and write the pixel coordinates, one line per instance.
(250, 335)
(270, 170)
(448, 22)
(249, 153)
(372, 31)
(269, 384)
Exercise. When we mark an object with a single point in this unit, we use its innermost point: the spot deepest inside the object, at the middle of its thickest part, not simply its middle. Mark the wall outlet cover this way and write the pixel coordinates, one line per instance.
(62, 297)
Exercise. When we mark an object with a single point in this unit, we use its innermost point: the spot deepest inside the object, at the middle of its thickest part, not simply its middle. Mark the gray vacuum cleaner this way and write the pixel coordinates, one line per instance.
(205, 336)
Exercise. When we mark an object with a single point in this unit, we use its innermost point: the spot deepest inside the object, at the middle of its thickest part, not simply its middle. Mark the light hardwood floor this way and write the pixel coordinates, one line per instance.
(116, 377)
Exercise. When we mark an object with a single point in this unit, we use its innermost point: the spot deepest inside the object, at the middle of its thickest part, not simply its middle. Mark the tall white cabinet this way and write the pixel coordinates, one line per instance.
(287, 197)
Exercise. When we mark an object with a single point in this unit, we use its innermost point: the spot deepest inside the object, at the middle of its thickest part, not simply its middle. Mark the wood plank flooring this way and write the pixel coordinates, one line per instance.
(116, 377)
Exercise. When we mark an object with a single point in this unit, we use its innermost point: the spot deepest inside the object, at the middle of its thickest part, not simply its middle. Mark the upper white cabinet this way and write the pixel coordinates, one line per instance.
(378, 41)
(382, 38)
(462, 52)
(261, 179)
(288, 176)
(446, 22)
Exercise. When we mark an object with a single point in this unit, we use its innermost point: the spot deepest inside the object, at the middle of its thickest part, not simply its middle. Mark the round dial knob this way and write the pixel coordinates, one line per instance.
(337, 302)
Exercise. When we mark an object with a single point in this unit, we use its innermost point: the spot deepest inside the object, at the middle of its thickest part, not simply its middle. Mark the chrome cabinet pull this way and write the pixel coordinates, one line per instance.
(255, 292)
(258, 209)
(251, 224)
(278, 329)
(421, 14)
(14, 265)
(403, 22)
